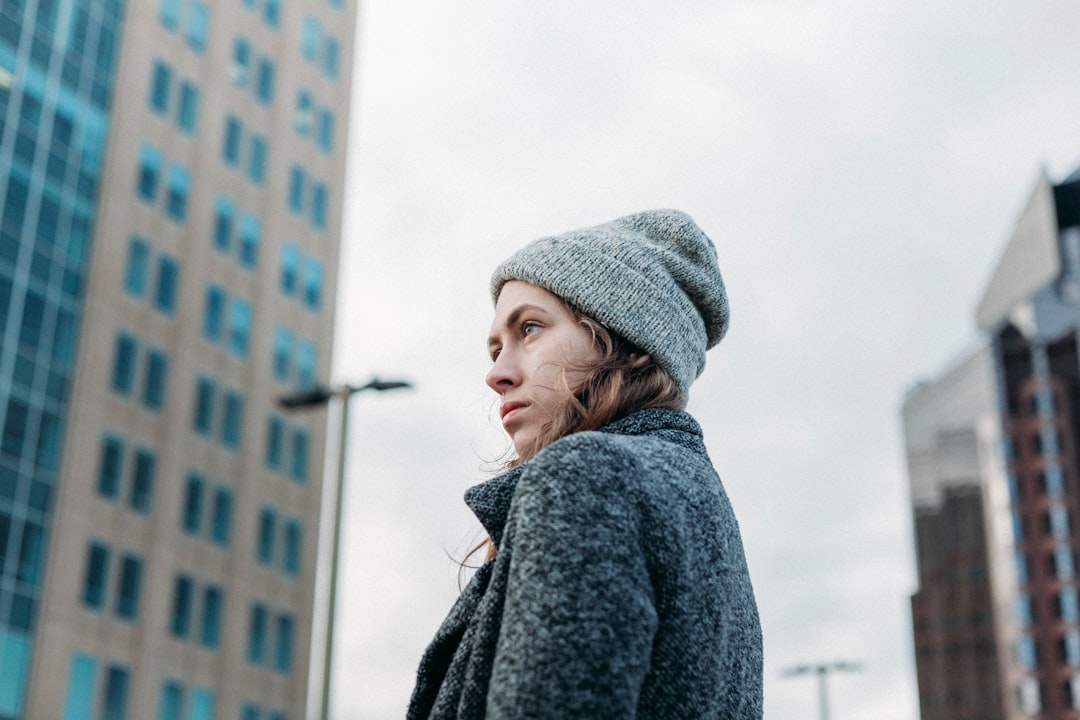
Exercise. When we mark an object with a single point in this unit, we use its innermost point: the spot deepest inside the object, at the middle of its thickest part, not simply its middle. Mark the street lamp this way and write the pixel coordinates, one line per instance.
(317, 397)
(822, 671)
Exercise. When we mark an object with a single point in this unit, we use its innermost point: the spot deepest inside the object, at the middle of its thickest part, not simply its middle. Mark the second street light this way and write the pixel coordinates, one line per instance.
(317, 397)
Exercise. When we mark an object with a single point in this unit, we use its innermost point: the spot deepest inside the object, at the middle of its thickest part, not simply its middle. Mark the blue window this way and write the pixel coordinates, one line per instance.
(275, 432)
(283, 340)
(1068, 609)
(198, 25)
(183, 590)
(191, 521)
(283, 660)
(296, 189)
(272, 12)
(110, 468)
(223, 222)
(142, 481)
(250, 236)
(318, 206)
(204, 406)
(138, 261)
(160, 79)
(305, 363)
(304, 112)
(313, 285)
(157, 366)
(172, 701)
(264, 86)
(267, 529)
(293, 542)
(249, 712)
(241, 61)
(129, 587)
(165, 294)
(179, 187)
(230, 151)
(240, 328)
(299, 455)
(114, 706)
(213, 313)
(213, 600)
(149, 169)
(232, 423)
(326, 130)
(97, 570)
(202, 705)
(187, 116)
(123, 375)
(222, 516)
(169, 12)
(290, 268)
(309, 37)
(257, 160)
(82, 677)
(331, 58)
(257, 634)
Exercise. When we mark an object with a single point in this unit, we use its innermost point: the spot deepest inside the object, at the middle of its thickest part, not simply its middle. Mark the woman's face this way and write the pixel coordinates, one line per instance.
(535, 344)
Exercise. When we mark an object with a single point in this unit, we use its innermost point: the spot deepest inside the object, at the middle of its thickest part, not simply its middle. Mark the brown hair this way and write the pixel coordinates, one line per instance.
(623, 380)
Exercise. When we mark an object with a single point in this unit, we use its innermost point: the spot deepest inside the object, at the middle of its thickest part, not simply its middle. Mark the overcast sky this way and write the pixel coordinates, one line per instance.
(858, 165)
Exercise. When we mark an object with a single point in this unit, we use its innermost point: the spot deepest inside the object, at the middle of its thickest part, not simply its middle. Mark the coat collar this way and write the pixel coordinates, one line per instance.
(490, 500)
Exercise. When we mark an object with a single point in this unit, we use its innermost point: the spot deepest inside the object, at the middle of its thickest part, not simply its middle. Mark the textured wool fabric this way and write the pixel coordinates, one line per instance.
(652, 278)
(620, 589)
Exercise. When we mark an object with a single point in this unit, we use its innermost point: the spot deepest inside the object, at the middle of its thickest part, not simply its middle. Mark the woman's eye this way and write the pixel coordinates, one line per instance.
(529, 328)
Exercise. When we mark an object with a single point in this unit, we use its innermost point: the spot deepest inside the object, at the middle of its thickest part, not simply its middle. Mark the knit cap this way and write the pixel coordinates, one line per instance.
(651, 278)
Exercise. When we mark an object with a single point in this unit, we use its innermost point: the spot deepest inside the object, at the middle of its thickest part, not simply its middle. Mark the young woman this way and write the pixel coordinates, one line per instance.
(615, 584)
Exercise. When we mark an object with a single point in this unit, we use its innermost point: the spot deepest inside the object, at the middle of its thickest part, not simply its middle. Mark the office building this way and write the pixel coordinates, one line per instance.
(171, 190)
(992, 450)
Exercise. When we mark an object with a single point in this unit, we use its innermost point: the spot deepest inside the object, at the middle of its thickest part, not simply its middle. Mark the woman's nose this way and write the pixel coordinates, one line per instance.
(504, 373)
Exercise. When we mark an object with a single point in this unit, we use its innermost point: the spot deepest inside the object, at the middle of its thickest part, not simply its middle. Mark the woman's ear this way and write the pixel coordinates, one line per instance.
(637, 361)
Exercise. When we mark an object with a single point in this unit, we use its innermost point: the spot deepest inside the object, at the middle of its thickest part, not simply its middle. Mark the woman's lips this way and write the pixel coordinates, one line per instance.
(508, 411)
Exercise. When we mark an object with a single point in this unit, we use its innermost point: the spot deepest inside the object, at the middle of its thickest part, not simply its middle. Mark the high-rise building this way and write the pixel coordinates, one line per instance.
(993, 449)
(171, 190)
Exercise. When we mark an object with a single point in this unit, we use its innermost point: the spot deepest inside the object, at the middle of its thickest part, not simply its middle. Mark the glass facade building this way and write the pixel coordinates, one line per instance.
(171, 180)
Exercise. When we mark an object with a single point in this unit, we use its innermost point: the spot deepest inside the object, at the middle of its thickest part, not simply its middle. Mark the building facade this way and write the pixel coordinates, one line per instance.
(171, 190)
(993, 450)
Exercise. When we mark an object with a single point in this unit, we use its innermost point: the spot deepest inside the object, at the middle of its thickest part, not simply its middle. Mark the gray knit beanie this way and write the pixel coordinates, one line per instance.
(652, 278)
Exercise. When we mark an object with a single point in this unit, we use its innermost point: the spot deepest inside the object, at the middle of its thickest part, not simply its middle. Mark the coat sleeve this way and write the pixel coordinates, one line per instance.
(579, 616)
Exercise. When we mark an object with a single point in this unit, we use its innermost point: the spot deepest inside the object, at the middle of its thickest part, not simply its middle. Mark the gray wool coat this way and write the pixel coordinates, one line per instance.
(620, 589)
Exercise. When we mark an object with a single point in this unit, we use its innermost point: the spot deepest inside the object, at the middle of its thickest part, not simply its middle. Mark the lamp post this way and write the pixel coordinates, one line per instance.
(822, 671)
(317, 397)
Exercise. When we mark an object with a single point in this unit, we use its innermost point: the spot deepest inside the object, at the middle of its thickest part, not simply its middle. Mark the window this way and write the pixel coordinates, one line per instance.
(138, 260)
(240, 328)
(193, 502)
(313, 284)
(116, 693)
(272, 13)
(188, 114)
(264, 87)
(232, 420)
(213, 311)
(257, 634)
(309, 38)
(318, 206)
(142, 481)
(157, 365)
(202, 705)
(296, 189)
(223, 219)
(265, 544)
(80, 689)
(326, 130)
(149, 167)
(179, 186)
(257, 160)
(305, 363)
(198, 25)
(303, 118)
(169, 12)
(293, 533)
(249, 712)
(124, 364)
(275, 430)
(172, 701)
(283, 660)
(112, 450)
(128, 588)
(222, 516)
(97, 569)
(330, 58)
(160, 79)
(241, 61)
(290, 263)
(204, 405)
(230, 151)
(211, 627)
(181, 610)
(283, 341)
(299, 456)
(250, 234)
(165, 295)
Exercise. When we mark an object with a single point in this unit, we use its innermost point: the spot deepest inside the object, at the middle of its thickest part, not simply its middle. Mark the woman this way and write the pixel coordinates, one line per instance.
(615, 585)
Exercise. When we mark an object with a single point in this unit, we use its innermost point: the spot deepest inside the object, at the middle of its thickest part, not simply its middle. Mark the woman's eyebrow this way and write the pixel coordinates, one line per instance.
(513, 318)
